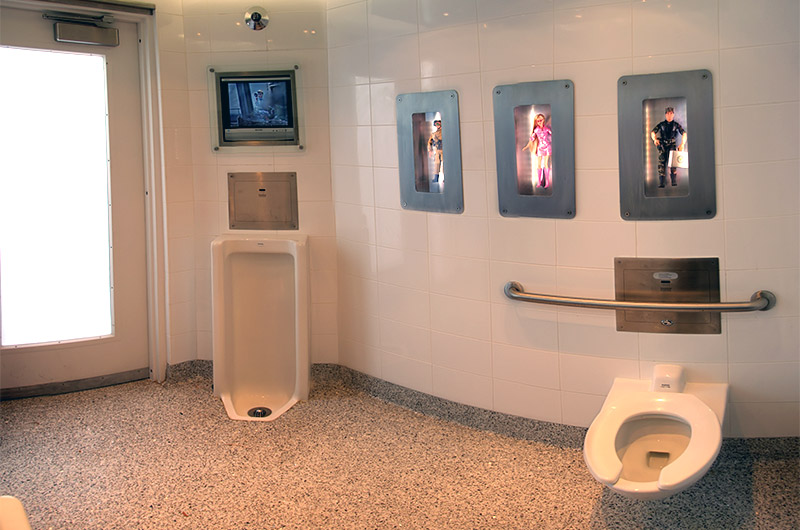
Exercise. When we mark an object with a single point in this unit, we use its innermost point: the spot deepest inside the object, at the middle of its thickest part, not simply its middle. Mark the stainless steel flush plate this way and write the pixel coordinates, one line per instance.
(668, 280)
(262, 201)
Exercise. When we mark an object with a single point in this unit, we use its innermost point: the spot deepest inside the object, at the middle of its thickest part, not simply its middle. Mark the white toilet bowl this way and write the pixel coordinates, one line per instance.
(650, 443)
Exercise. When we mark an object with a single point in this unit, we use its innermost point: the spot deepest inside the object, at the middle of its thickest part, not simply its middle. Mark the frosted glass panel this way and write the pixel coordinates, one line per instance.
(55, 242)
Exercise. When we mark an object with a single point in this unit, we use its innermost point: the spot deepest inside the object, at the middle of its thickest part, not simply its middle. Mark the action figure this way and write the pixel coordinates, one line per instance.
(663, 136)
(541, 145)
(435, 149)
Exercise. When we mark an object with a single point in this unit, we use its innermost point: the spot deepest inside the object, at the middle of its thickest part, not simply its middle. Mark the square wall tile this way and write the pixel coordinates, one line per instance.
(323, 286)
(776, 24)
(405, 340)
(405, 268)
(384, 146)
(347, 25)
(677, 239)
(527, 401)
(409, 373)
(594, 375)
(475, 202)
(434, 14)
(467, 278)
(593, 33)
(383, 102)
(596, 151)
(597, 195)
(402, 229)
(351, 146)
(524, 365)
(449, 51)
(358, 327)
(357, 294)
(676, 348)
(228, 34)
(490, 9)
(595, 245)
(324, 349)
(468, 87)
(360, 357)
(404, 305)
(580, 409)
(524, 240)
(531, 35)
(389, 18)
(394, 59)
(779, 140)
(458, 235)
(587, 283)
(758, 420)
(387, 188)
(354, 222)
(348, 65)
(313, 182)
(770, 242)
(764, 382)
(322, 255)
(692, 25)
(462, 387)
(759, 340)
(595, 84)
(353, 184)
(527, 327)
(595, 334)
(317, 217)
(778, 189)
(323, 318)
(462, 317)
(298, 30)
(349, 105)
(461, 353)
(766, 74)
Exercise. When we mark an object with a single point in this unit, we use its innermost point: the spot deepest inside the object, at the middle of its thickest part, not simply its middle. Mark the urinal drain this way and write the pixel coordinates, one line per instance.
(259, 412)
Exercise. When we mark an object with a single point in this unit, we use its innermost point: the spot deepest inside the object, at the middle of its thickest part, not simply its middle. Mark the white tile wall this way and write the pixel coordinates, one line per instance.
(557, 365)
(422, 293)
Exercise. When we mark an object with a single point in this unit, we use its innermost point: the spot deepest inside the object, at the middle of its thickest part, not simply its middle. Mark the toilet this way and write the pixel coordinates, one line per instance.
(654, 438)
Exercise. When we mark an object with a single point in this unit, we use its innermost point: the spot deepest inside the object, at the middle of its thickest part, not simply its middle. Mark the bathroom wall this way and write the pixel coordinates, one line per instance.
(194, 34)
(420, 294)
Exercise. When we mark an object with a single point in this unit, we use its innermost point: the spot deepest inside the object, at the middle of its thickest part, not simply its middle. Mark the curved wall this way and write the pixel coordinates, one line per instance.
(421, 294)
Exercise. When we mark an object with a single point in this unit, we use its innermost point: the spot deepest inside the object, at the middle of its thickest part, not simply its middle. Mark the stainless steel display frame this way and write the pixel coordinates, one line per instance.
(451, 198)
(559, 95)
(696, 86)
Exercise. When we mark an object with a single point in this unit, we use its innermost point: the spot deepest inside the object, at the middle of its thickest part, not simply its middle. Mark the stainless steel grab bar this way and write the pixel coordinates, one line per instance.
(760, 301)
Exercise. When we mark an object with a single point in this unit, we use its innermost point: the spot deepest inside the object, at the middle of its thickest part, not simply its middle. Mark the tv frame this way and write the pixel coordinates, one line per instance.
(219, 141)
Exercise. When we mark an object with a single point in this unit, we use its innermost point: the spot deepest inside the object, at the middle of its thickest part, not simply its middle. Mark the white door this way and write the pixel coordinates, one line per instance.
(122, 352)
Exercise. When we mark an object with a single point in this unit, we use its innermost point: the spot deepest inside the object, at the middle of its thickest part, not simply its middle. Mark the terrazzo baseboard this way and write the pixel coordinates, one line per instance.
(330, 376)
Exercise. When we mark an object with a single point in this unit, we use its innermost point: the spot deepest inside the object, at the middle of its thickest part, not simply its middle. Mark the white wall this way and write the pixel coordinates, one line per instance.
(194, 34)
(420, 294)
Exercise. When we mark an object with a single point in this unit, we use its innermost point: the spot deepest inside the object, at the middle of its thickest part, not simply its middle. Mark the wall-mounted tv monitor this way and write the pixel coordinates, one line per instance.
(256, 108)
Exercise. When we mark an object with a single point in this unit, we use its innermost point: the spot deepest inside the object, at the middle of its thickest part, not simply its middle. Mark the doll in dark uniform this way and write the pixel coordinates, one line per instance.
(663, 136)
(435, 149)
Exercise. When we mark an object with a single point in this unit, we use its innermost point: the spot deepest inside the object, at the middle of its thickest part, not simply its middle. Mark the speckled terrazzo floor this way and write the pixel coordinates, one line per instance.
(149, 456)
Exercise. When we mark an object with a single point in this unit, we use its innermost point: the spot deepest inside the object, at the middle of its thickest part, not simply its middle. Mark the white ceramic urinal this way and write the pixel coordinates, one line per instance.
(260, 324)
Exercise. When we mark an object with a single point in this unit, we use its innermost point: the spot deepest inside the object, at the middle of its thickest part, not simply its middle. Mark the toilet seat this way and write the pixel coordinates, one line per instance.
(704, 443)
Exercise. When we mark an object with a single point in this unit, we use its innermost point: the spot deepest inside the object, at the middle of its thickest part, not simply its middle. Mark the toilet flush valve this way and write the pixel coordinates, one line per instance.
(668, 378)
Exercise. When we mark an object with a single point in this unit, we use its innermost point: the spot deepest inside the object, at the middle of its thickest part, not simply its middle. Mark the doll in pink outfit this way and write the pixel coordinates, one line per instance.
(541, 145)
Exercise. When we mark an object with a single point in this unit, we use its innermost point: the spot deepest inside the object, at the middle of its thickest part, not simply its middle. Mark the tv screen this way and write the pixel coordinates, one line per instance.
(257, 108)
